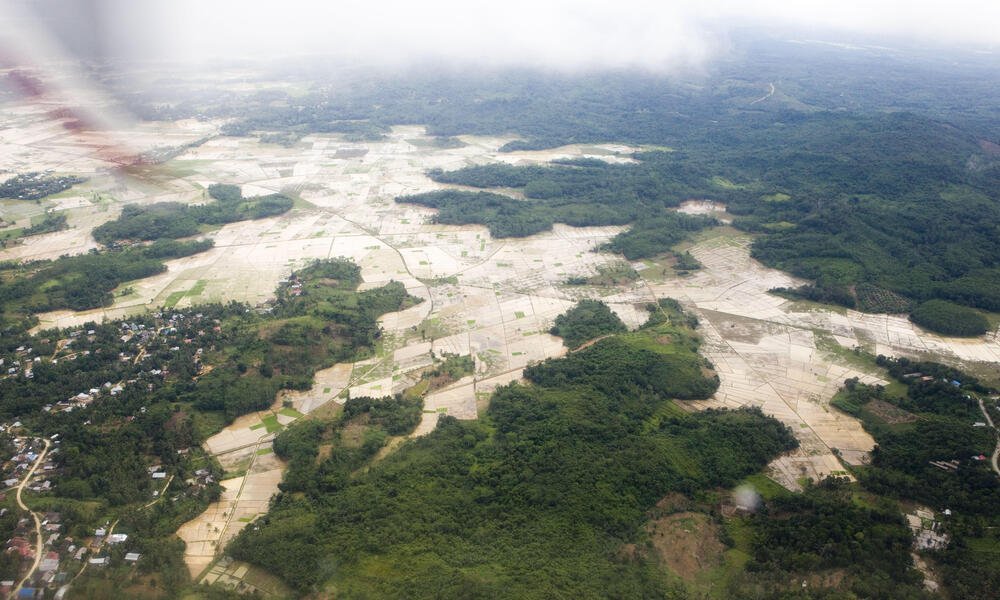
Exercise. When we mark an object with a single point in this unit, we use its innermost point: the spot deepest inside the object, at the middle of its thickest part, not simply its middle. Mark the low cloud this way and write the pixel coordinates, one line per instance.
(561, 34)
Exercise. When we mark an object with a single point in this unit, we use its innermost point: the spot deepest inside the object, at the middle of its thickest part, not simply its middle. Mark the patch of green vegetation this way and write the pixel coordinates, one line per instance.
(724, 183)
(685, 262)
(35, 185)
(765, 486)
(418, 390)
(801, 536)
(84, 281)
(207, 423)
(10, 235)
(984, 545)
(174, 298)
(197, 288)
(271, 423)
(662, 356)
(855, 357)
(288, 411)
(872, 298)
(776, 197)
(48, 223)
(655, 234)
(949, 319)
(452, 367)
(588, 320)
(612, 274)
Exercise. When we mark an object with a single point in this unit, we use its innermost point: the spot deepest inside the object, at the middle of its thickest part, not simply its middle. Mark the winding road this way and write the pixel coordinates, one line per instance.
(766, 96)
(34, 515)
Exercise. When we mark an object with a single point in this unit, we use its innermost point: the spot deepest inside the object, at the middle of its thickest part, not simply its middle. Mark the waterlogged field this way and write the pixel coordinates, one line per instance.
(492, 299)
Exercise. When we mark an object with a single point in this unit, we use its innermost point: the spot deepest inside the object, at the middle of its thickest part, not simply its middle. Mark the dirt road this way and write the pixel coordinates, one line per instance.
(996, 451)
(34, 515)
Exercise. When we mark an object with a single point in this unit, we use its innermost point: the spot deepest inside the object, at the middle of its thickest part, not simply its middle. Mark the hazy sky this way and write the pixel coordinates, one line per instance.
(568, 34)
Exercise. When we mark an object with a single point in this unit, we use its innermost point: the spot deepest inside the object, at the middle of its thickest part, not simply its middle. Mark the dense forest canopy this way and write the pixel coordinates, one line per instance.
(588, 320)
(172, 220)
(578, 193)
(881, 211)
(949, 319)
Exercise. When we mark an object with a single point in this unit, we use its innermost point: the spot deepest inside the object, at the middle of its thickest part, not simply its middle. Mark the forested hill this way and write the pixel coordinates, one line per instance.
(534, 501)
(550, 109)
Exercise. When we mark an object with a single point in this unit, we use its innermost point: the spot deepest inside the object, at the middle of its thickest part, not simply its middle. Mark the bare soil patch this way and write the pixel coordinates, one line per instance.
(893, 415)
(687, 543)
(324, 452)
(352, 435)
(741, 329)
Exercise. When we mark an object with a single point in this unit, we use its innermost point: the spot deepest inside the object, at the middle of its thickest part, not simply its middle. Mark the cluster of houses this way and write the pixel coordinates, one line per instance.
(202, 478)
(25, 452)
(294, 286)
(143, 345)
(178, 328)
(926, 378)
(137, 336)
(86, 397)
(55, 546)
(20, 364)
(927, 532)
(62, 557)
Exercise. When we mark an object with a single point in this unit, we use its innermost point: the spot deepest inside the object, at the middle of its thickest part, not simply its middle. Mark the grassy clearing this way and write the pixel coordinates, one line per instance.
(288, 411)
(765, 486)
(724, 183)
(208, 423)
(776, 197)
(173, 299)
(856, 358)
(986, 545)
(198, 288)
(271, 423)
(11, 234)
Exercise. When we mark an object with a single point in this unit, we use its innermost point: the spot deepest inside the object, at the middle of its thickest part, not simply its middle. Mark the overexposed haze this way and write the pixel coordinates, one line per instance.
(567, 34)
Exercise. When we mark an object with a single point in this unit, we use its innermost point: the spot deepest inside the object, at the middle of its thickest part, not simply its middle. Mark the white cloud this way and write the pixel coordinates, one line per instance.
(568, 34)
